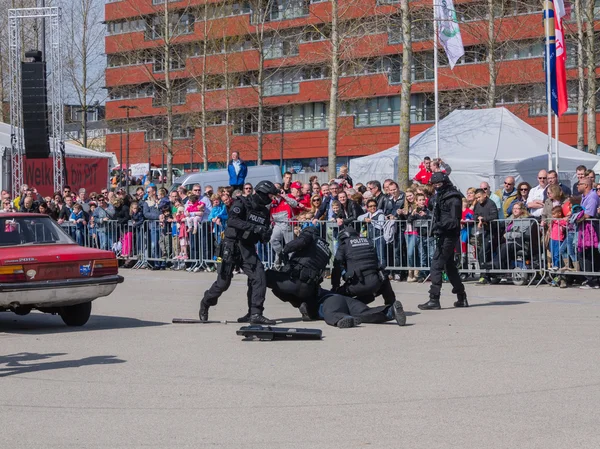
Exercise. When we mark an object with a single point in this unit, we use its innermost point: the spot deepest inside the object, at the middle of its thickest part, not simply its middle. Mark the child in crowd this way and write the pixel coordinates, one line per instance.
(183, 234)
(92, 226)
(466, 228)
(333, 229)
(568, 249)
(557, 235)
(194, 210)
(165, 220)
(218, 217)
(78, 218)
(420, 220)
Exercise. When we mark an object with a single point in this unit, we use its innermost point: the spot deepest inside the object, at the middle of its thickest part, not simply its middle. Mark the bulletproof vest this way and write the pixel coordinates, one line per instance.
(252, 213)
(311, 261)
(361, 257)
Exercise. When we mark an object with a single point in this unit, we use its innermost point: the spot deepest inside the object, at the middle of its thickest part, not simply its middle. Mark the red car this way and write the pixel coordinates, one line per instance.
(42, 268)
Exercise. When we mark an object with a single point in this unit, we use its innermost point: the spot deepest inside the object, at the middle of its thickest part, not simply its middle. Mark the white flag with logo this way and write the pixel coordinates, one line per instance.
(448, 30)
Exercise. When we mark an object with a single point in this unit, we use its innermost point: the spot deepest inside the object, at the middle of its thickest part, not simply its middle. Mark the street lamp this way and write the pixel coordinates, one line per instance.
(127, 108)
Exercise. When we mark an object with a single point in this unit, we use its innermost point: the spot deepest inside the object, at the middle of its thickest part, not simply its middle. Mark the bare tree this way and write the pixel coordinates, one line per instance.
(84, 48)
(590, 53)
(580, 74)
(407, 58)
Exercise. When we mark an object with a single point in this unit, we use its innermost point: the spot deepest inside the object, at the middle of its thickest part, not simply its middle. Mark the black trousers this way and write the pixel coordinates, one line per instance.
(257, 283)
(293, 290)
(589, 261)
(366, 290)
(336, 307)
(443, 260)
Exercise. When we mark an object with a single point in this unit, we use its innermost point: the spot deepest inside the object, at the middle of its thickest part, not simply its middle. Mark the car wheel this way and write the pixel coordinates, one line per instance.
(76, 315)
(519, 278)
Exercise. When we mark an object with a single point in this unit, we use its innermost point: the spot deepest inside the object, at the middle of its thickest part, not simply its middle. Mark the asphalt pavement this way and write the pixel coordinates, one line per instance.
(518, 369)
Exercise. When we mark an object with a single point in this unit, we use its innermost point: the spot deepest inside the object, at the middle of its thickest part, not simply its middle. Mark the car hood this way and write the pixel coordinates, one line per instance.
(25, 254)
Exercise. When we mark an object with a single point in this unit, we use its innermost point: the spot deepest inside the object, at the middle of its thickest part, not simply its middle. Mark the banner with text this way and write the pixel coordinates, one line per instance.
(90, 173)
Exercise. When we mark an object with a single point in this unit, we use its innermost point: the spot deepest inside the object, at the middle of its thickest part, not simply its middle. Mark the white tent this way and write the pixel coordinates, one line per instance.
(479, 145)
(71, 150)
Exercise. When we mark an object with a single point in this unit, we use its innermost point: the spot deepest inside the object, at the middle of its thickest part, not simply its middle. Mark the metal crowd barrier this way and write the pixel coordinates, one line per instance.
(572, 248)
(521, 250)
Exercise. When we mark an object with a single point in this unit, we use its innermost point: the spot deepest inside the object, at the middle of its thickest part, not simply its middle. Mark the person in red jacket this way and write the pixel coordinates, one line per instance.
(303, 199)
(425, 172)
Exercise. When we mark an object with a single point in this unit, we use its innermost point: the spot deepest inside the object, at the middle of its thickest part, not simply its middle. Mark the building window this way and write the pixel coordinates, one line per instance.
(282, 82)
(308, 116)
(279, 47)
(422, 69)
(422, 108)
(280, 10)
(374, 111)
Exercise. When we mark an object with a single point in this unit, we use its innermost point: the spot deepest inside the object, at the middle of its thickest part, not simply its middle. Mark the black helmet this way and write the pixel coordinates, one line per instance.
(439, 177)
(347, 232)
(263, 189)
(311, 229)
(266, 187)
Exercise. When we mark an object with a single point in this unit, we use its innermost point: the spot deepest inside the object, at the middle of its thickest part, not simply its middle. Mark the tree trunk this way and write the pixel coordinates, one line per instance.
(261, 109)
(591, 78)
(580, 77)
(491, 94)
(227, 85)
(203, 92)
(407, 55)
(84, 81)
(169, 99)
(333, 93)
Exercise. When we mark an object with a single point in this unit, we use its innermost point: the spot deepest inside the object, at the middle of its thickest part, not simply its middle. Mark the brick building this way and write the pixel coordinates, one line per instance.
(205, 63)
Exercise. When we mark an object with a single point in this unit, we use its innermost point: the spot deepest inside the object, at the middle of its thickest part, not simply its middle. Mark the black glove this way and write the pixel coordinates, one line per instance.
(284, 258)
(266, 236)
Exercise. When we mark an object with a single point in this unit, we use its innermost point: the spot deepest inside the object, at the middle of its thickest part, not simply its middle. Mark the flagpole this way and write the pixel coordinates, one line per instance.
(556, 144)
(548, 91)
(435, 83)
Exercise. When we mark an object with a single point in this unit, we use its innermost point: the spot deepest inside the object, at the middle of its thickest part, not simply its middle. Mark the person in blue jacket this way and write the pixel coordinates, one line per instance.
(237, 171)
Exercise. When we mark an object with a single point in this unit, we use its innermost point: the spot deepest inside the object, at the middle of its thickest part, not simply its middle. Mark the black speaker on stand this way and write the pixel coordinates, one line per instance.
(35, 106)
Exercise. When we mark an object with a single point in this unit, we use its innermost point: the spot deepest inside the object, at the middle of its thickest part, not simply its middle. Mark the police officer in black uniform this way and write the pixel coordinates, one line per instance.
(298, 280)
(364, 278)
(248, 223)
(447, 212)
(343, 311)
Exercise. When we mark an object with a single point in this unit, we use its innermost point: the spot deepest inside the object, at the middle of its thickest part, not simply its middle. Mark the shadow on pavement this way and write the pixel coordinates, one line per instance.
(15, 364)
(42, 323)
(499, 303)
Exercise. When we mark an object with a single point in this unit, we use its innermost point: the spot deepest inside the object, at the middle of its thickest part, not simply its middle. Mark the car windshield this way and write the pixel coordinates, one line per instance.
(34, 230)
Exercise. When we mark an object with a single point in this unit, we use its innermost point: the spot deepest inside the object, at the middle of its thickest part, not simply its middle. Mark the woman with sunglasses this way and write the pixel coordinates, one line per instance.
(523, 190)
(6, 206)
(247, 190)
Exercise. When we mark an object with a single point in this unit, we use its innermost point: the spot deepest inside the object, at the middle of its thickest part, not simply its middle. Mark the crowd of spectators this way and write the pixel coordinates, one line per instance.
(183, 228)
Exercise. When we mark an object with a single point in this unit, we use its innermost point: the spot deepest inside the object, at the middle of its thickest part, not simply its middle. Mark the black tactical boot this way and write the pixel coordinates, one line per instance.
(203, 312)
(432, 304)
(244, 319)
(304, 311)
(462, 300)
(261, 319)
(399, 314)
(348, 321)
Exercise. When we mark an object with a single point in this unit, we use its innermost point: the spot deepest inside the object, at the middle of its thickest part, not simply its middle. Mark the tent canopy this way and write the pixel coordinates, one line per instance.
(71, 150)
(479, 145)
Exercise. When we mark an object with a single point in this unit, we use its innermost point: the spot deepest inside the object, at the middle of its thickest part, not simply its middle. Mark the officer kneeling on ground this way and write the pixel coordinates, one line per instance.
(447, 212)
(298, 280)
(248, 223)
(363, 276)
(344, 312)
